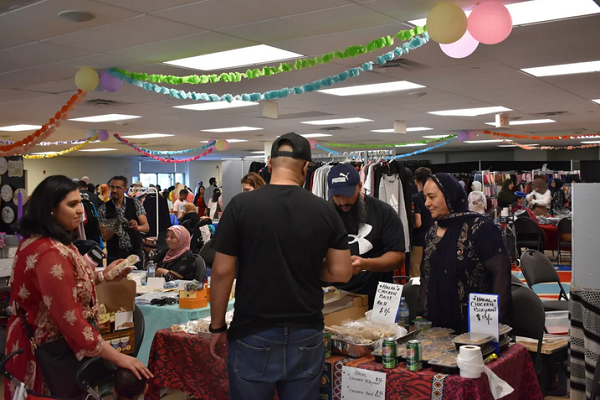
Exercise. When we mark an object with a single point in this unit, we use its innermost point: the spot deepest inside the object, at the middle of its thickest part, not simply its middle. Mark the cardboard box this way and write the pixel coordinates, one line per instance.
(116, 296)
(352, 306)
(192, 304)
(122, 341)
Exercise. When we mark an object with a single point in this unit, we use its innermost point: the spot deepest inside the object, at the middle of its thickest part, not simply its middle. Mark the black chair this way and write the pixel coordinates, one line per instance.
(537, 268)
(93, 373)
(529, 319)
(187, 224)
(529, 234)
(514, 281)
(564, 228)
(200, 269)
(208, 254)
(139, 324)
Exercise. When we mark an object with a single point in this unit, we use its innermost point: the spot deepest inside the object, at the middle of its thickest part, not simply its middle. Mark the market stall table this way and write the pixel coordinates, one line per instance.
(183, 362)
(551, 232)
(162, 317)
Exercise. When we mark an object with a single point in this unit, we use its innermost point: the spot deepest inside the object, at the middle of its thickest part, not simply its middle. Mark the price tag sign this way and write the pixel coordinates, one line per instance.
(361, 384)
(484, 312)
(387, 302)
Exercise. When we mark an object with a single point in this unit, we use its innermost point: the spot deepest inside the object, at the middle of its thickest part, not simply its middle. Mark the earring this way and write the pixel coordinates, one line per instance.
(51, 212)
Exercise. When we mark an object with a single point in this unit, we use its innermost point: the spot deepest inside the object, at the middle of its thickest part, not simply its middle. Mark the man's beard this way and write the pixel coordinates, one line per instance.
(356, 216)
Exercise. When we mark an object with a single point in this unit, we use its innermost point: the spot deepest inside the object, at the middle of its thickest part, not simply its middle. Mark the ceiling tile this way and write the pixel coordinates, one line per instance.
(268, 32)
(275, 9)
(41, 21)
(35, 54)
(212, 14)
(7, 41)
(147, 6)
(127, 33)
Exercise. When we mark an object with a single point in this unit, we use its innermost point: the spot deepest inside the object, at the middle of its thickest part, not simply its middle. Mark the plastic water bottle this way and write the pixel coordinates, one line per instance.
(403, 316)
(151, 273)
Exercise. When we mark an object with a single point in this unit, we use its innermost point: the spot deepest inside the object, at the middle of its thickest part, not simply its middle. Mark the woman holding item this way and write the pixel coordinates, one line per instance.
(55, 289)
(177, 262)
(540, 198)
(464, 254)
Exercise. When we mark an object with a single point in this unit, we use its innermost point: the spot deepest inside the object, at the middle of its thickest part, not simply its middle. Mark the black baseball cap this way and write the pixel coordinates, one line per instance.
(342, 180)
(300, 146)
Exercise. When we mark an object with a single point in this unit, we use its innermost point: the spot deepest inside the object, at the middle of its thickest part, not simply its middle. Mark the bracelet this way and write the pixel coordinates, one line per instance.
(101, 277)
(221, 329)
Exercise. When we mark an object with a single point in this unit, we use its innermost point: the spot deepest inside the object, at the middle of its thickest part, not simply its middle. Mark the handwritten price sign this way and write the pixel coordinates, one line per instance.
(360, 384)
(387, 302)
(484, 314)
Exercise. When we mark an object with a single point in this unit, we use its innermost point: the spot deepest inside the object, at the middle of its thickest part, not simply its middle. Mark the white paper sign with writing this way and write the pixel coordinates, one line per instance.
(361, 384)
(387, 302)
(484, 312)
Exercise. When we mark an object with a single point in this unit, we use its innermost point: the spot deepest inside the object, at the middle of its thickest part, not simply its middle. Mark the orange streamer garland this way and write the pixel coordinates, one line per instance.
(525, 147)
(564, 137)
(70, 105)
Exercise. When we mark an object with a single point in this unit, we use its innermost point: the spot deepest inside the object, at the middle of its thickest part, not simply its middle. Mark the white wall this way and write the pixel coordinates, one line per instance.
(98, 169)
(203, 171)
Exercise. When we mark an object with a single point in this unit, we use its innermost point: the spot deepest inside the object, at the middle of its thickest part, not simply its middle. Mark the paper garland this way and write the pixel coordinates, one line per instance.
(415, 43)
(152, 153)
(368, 146)
(525, 147)
(563, 137)
(59, 153)
(349, 52)
(163, 153)
(445, 141)
(46, 130)
(59, 143)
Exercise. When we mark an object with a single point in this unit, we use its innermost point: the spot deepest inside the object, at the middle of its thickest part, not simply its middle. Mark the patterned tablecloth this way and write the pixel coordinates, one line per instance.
(183, 361)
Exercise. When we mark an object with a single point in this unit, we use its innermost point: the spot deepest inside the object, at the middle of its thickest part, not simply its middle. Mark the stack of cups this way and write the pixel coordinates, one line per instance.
(504, 212)
(470, 362)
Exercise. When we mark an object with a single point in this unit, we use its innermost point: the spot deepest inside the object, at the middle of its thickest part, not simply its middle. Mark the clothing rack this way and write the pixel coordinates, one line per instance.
(362, 155)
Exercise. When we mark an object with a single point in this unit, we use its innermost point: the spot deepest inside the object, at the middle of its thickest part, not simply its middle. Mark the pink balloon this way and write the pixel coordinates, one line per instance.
(490, 22)
(463, 47)
(471, 135)
(313, 143)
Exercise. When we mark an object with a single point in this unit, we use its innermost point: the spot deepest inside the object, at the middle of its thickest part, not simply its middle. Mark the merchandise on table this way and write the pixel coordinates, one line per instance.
(436, 333)
(472, 338)
(361, 337)
(327, 343)
(200, 326)
(388, 351)
(415, 355)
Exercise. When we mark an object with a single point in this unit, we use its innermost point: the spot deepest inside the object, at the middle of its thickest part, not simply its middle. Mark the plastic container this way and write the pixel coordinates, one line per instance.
(151, 270)
(557, 322)
(403, 316)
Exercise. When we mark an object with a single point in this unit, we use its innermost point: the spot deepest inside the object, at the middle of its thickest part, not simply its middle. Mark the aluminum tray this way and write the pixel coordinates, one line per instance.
(350, 349)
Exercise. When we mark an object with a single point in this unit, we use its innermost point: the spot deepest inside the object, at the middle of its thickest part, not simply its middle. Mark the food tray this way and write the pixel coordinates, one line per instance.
(351, 349)
(472, 339)
(436, 333)
(503, 331)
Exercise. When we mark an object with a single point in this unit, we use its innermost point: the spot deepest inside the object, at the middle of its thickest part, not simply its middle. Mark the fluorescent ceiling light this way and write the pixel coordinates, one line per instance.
(531, 12)
(372, 89)
(98, 150)
(217, 105)
(470, 112)
(507, 145)
(435, 136)
(487, 141)
(526, 122)
(414, 129)
(585, 138)
(413, 145)
(596, 101)
(148, 136)
(233, 129)
(564, 69)
(591, 142)
(531, 144)
(44, 153)
(229, 140)
(105, 118)
(316, 135)
(260, 54)
(338, 121)
(19, 128)
(257, 152)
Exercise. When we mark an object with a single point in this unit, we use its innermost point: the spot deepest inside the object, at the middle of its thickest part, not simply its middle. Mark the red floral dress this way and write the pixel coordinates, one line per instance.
(54, 286)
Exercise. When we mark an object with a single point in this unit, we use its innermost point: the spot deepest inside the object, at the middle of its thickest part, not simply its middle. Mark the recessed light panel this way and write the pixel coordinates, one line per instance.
(19, 128)
(352, 120)
(217, 105)
(564, 69)
(233, 129)
(316, 135)
(105, 118)
(470, 112)
(147, 136)
(526, 122)
(372, 89)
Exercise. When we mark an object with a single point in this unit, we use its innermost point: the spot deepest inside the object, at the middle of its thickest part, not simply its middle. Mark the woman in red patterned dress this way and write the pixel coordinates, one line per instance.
(55, 287)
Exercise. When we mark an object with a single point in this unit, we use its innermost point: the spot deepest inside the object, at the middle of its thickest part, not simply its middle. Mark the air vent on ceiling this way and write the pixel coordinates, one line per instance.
(104, 103)
(332, 128)
(552, 113)
(307, 114)
(403, 64)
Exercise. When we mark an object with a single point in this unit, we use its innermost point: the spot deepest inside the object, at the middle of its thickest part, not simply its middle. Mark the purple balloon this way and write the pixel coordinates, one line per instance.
(110, 83)
(462, 136)
(462, 48)
(103, 135)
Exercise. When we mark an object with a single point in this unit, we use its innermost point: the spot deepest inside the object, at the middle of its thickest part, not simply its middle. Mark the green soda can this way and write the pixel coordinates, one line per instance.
(388, 352)
(414, 352)
(327, 342)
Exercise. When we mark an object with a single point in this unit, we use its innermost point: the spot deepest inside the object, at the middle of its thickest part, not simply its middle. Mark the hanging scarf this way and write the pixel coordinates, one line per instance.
(183, 236)
(443, 278)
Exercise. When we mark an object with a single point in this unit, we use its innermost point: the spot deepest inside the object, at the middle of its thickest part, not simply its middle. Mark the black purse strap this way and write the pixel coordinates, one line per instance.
(27, 326)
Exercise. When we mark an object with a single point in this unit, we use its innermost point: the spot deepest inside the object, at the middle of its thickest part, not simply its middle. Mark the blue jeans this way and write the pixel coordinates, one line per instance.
(290, 360)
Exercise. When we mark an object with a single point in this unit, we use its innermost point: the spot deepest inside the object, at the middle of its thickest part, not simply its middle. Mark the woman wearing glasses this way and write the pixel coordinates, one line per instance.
(54, 288)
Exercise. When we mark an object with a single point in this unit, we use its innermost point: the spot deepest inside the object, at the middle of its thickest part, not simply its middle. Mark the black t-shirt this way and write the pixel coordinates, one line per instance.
(280, 234)
(383, 232)
(426, 220)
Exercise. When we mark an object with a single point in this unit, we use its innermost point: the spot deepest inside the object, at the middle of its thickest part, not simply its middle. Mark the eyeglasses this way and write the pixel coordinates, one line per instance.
(116, 188)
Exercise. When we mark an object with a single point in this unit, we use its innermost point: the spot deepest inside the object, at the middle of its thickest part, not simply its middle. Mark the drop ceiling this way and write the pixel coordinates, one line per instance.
(40, 54)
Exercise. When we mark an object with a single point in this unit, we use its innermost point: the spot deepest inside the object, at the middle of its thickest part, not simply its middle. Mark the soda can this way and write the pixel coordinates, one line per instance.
(327, 342)
(388, 352)
(414, 352)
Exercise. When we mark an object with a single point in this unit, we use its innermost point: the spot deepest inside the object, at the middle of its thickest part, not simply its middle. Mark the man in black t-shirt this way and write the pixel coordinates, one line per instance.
(286, 240)
(423, 222)
(375, 232)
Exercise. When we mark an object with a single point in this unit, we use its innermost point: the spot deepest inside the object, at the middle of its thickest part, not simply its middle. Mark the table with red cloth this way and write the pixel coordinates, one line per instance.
(551, 232)
(183, 361)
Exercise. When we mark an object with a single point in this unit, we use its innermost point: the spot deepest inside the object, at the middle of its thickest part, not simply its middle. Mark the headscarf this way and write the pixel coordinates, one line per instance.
(183, 236)
(558, 184)
(443, 261)
(476, 186)
(506, 196)
(540, 186)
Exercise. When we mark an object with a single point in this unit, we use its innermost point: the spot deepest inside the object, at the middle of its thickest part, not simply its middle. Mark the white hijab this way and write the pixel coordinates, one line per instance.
(476, 186)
